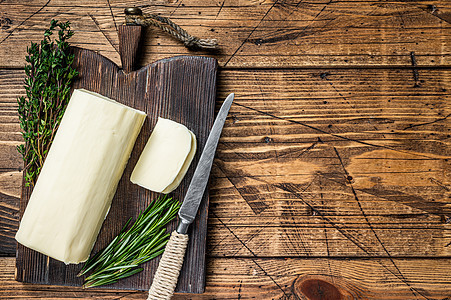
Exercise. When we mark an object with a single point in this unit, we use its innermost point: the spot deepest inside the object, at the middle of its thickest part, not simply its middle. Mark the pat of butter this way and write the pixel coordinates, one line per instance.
(73, 193)
(165, 158)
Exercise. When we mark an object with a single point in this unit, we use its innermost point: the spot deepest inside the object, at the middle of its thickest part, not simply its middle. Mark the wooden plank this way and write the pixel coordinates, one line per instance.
(280, 279)
(278, 183)
(333, 162)
(262, 33)
(10, 160)
(181, 89)
(309, 278)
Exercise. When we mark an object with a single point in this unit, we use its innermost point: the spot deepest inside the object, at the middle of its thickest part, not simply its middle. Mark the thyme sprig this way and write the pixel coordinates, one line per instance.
(49, 76)
(141, 242)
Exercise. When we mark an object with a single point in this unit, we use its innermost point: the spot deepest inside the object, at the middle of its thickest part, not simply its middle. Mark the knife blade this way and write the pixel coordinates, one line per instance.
(171, 262)
(193, 197)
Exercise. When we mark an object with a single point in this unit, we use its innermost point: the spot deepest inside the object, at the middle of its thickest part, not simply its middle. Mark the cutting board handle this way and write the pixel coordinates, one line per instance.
(129, 43)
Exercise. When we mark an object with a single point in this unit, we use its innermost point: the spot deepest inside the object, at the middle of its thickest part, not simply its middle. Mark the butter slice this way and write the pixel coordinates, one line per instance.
(165, 158)
(73, 193)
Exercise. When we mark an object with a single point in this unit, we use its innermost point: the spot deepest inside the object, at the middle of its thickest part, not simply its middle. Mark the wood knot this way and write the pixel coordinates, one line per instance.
(5, 23)
(319, 287)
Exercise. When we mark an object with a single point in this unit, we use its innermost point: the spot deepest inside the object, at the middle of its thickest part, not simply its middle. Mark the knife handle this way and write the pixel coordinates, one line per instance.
(168, 271)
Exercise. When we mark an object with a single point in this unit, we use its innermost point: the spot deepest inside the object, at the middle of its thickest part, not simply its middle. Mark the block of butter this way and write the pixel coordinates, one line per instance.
(165, 158)
(73, 193)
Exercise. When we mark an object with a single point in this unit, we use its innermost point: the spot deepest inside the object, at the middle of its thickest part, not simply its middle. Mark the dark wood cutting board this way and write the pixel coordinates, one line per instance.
(181, 89)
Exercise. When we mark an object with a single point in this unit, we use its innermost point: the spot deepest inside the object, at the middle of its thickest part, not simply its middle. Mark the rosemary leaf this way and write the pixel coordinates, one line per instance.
(112, 278)
(135, 244)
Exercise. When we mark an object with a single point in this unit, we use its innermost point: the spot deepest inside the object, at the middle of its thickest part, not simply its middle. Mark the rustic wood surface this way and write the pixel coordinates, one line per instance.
(332, 176)
(252, 33)
(262, 278)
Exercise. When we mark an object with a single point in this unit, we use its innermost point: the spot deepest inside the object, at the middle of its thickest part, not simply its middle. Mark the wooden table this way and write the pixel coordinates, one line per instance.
(332, 177)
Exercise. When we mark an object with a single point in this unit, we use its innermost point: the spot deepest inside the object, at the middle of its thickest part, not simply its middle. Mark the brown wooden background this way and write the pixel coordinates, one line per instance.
(332, 176)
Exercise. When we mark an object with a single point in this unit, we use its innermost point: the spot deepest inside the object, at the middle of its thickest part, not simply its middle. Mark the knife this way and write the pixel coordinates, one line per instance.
(171, 262)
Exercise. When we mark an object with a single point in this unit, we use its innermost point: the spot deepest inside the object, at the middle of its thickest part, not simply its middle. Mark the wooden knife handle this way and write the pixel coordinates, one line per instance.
(168, 271)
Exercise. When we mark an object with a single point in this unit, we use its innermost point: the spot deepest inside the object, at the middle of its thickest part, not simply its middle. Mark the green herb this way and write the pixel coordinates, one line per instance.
(143, 241)
(49, 76)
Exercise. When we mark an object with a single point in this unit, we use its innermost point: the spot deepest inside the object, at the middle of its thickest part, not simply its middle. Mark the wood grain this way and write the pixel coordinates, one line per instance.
(278, 185)
(333, 162)
(263, 33)
(247, 278)
(129, 46)
(181, 89)
(332, 176)
(10, 159)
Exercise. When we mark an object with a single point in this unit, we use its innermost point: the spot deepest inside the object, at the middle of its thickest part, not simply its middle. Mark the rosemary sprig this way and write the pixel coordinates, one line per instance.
(141, 242)
(49, 76)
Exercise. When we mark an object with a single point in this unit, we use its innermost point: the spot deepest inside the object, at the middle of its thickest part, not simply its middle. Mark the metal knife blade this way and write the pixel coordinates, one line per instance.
(196, 189)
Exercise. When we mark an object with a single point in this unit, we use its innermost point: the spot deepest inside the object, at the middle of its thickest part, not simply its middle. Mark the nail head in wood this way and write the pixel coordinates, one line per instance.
(133, 11)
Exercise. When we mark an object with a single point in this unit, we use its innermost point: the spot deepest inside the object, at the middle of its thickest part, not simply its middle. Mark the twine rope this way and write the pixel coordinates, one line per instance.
(168, 271)
(173, 29)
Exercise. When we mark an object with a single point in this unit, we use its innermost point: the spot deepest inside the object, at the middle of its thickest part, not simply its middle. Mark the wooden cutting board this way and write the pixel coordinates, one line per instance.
(181, 89)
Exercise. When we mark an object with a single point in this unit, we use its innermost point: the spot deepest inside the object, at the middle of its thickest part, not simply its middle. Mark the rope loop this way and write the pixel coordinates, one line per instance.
(191, 41)
(134, 16)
